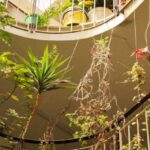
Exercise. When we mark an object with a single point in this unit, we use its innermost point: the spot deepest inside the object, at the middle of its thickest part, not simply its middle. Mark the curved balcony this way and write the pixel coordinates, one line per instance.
(63, 21)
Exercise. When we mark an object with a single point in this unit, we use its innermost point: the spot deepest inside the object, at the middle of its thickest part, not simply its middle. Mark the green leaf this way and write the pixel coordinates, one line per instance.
(46, 72)
(15, 98)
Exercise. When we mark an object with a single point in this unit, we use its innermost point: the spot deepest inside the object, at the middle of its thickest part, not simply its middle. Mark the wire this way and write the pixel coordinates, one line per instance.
(135, 31)
(71, 57)
(73, 52)
(146, 31)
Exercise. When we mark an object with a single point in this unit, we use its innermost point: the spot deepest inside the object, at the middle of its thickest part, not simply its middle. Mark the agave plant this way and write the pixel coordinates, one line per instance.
(46, 75)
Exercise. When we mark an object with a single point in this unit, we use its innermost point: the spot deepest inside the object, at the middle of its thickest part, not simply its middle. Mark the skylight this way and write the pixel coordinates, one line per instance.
(43, 4)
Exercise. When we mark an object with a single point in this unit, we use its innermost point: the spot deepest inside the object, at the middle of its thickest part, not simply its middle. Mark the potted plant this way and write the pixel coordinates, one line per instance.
(122, 2)
(49, 16)
(98, 12)
(46, 74)
(75, 13)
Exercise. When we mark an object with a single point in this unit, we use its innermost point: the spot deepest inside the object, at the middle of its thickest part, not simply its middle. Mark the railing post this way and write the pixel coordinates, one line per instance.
(147, 130)
(33, 24)
(116, 7)
(129, 137)
(117, 144)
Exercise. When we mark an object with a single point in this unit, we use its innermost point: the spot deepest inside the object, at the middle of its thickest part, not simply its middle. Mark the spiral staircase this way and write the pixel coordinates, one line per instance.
(56, 31)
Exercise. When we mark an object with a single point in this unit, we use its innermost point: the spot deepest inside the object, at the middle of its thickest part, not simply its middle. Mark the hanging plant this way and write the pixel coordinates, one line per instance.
(90, 117)
(142, 54)
(137, 75)
(5, 20)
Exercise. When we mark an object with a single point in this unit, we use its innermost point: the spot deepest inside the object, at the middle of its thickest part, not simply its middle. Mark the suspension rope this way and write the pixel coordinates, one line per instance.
(58, 116)
(73, 53)
(146, 31)
(135, 31)
(110, 39)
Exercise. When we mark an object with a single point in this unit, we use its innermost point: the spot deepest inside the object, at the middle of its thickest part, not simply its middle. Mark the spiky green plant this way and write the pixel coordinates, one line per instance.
(46, 74)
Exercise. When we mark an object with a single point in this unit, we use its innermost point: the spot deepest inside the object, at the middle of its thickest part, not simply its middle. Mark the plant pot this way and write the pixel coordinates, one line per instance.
(74, 16)
(122, 2)
(32, 19)
(87, 3)
(99, 13)
(54, 22)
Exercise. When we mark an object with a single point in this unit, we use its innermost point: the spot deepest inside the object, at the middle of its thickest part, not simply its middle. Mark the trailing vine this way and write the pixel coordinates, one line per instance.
(137, 76)
(90, 117)
(5, 19)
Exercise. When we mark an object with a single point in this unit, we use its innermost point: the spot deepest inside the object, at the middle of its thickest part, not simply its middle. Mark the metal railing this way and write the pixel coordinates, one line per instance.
(78, 15)
(133, 135)
(122, 136)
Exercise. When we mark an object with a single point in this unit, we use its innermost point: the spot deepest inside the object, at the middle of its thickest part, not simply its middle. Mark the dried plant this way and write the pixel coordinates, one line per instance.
(47, 136)
(90, 117)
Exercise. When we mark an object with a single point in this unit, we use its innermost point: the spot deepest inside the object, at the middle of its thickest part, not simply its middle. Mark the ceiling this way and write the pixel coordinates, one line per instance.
(122, 45)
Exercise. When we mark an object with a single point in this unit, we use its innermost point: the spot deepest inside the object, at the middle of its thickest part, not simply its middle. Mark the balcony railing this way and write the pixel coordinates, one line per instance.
(65, 16)
(124, 135)
(80, 18)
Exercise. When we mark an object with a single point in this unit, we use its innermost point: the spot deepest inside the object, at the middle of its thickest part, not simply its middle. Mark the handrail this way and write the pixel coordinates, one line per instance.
(63, 33)
(73, 140)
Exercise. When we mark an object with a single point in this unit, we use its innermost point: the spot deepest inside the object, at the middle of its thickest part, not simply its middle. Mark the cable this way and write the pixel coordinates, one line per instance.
(73, 52)
(146, 31)
(135, 30)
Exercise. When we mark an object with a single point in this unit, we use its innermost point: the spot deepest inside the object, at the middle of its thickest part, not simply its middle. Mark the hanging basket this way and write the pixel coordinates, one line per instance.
(75, 16)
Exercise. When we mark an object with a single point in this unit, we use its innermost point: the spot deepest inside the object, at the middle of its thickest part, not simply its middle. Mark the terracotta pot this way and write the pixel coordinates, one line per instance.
(74, 16)
(122, 2)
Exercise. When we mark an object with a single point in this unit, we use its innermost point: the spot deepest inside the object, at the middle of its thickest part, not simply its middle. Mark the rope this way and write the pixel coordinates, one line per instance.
(110, 39)
(73, 52)
(135, 31)
(71, 57)
(58, 116)
(146, 31)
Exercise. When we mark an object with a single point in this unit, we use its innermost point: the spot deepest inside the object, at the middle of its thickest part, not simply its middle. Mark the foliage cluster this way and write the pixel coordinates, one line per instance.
(135, 144)
(35, 75)
(137, 75)
(5, 19)
(90, 117)
(49, 13)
